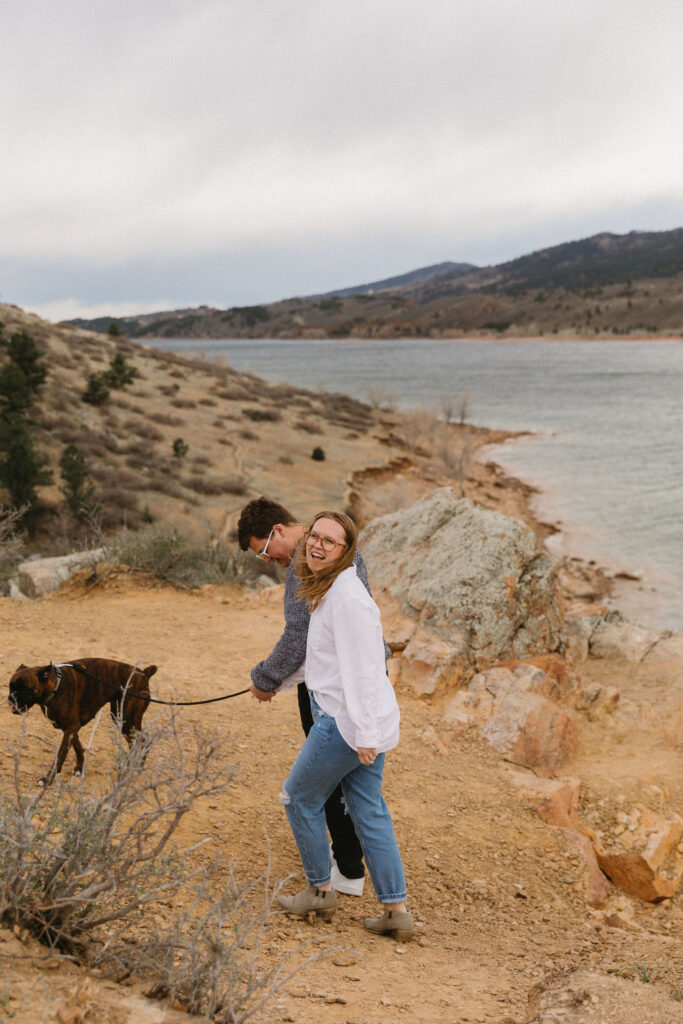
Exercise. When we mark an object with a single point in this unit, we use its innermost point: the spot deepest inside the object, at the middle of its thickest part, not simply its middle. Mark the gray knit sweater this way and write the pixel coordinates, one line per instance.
(289, 652)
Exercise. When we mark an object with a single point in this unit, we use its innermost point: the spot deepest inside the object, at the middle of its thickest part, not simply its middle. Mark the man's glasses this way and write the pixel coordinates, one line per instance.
(264, 554)
(326, 543)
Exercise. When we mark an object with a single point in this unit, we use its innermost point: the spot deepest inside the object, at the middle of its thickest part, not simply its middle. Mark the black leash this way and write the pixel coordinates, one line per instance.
(153, 700)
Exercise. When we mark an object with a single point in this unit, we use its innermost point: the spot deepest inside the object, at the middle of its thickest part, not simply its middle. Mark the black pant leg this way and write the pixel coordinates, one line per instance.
(345, 846)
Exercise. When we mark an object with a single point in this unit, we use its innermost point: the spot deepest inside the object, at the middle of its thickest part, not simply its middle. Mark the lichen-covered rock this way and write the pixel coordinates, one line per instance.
(467, 578)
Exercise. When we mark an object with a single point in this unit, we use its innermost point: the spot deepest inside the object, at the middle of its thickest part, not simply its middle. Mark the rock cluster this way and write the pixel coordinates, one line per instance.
(461, 588)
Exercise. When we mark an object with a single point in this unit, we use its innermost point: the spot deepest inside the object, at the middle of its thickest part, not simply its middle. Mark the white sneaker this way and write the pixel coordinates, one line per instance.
(349, 886)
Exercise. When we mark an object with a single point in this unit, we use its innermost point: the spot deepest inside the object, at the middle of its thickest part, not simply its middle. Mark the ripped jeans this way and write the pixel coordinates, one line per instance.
(324, 761)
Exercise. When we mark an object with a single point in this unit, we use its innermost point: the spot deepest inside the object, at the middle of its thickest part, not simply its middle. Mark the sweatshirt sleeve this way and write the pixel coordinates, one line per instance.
(359, 648)
(289, 653)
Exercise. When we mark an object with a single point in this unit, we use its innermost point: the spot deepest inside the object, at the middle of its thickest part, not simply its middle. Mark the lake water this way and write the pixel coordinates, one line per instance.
(606, 417)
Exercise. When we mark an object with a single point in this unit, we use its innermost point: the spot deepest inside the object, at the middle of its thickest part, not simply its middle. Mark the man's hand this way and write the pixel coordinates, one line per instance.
(367, 755)
(264, 695)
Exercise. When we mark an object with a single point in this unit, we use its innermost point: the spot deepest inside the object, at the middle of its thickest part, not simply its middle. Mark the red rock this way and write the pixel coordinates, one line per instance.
(534, 732)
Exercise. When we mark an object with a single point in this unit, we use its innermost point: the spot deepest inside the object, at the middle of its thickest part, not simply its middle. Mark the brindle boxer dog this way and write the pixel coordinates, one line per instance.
(71, 698)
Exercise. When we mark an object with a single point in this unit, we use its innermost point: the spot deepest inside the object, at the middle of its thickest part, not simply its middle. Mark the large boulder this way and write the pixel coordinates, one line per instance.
(461, 588)
(37, 577)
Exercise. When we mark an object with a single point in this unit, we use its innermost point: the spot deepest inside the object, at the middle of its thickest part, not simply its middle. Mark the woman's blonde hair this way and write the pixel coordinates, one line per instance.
(314, 585)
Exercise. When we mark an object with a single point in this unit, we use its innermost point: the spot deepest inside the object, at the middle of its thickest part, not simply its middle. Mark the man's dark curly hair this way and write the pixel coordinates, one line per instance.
(257, 519)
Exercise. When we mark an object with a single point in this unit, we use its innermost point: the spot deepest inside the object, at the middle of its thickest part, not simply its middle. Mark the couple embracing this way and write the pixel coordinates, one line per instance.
(333, 639)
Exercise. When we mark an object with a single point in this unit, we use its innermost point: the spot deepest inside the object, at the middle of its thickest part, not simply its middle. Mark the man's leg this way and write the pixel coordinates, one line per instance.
(345, 846)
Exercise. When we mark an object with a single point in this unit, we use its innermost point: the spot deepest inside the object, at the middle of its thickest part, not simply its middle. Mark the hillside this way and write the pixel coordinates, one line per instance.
(601, 287)
(244, 437)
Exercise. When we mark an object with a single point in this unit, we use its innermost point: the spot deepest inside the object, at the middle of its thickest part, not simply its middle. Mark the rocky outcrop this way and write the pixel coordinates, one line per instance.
(461, 588)
(40, 576)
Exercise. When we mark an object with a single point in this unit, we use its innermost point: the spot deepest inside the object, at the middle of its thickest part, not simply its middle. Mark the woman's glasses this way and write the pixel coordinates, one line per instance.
(326, 543)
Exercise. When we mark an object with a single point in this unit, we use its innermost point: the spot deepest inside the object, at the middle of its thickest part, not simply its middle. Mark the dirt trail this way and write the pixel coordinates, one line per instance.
(497, 894)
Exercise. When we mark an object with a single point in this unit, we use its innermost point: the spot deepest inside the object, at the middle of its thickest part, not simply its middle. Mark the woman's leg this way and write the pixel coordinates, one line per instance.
(372, 821)
(323, 761)
(345, 846)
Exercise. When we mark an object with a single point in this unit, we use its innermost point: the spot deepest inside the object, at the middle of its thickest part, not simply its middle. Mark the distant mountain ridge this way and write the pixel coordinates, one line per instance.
(637, 278)
(412, 277)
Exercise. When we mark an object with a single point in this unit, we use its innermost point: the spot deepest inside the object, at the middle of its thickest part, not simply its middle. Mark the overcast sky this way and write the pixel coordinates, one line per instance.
(163, 153)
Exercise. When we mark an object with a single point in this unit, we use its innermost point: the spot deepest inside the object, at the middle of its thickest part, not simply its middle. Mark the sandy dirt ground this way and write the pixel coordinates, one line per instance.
(497, 895)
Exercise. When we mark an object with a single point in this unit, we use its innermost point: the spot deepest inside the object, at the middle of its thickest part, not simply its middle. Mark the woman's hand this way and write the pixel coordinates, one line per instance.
(367, 755)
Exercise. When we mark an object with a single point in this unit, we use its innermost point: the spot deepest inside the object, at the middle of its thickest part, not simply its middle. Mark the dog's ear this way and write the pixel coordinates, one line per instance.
(150, 670)
(43, 675)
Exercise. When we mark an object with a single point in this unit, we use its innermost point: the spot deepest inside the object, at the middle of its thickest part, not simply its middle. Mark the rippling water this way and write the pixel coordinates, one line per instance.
(607, 419)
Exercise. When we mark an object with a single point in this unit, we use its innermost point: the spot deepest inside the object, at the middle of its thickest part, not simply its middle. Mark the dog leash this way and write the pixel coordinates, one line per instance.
(150, 700)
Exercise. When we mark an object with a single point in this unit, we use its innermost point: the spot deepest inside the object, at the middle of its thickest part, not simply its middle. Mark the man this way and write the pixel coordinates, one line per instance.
(273, 534)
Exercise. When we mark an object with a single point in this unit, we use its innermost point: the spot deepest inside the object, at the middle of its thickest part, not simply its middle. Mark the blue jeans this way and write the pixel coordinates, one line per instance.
(325, 761)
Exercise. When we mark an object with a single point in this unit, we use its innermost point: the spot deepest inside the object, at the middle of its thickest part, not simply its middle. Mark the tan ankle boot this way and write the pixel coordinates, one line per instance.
(322, 901)
(397, 923)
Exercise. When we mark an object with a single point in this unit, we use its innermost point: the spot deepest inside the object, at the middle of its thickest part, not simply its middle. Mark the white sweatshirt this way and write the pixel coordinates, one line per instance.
(345, 665)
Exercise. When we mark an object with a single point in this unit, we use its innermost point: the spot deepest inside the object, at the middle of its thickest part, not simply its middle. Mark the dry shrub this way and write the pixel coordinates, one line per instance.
(183, 403)
(245, 435)
(207, 401)
(309, 427)
(123, 403)
(262, 415)
(114, 478)
(177, 373)
(176, 556)
(120, 497)
(167, 420)
(201, 460)
(162, 483)
(11, 541)
(83, 862)
(142, 428)
(216, 485)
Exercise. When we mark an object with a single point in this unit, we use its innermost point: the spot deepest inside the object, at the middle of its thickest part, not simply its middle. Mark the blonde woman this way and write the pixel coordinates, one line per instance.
(356, 719)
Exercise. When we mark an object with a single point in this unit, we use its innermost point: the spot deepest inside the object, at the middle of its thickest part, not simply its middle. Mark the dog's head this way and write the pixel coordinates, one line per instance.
(29, 686)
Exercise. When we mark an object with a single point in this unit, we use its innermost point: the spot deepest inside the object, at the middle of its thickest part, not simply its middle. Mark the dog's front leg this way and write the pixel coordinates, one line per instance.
(47, 780)
(79, 751)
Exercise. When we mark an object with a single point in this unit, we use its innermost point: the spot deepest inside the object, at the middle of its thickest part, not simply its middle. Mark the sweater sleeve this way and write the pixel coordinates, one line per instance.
(358, 644)
(289, 653)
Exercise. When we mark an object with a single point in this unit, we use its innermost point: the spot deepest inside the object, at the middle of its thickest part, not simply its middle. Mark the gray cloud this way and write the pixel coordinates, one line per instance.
(234, 152)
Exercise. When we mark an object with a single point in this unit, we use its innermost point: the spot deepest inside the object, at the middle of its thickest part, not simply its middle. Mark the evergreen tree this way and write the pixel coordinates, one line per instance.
(97, 391)
(77, 490)
(24, 353)
(21, 468)
(120, 372)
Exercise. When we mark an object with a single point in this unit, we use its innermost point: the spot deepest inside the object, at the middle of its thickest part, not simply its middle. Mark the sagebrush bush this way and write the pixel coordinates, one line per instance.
(84, 861)
(216, 485)
(176, 556)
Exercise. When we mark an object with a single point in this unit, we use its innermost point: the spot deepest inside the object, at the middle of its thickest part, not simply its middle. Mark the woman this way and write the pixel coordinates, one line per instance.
(356, 719)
